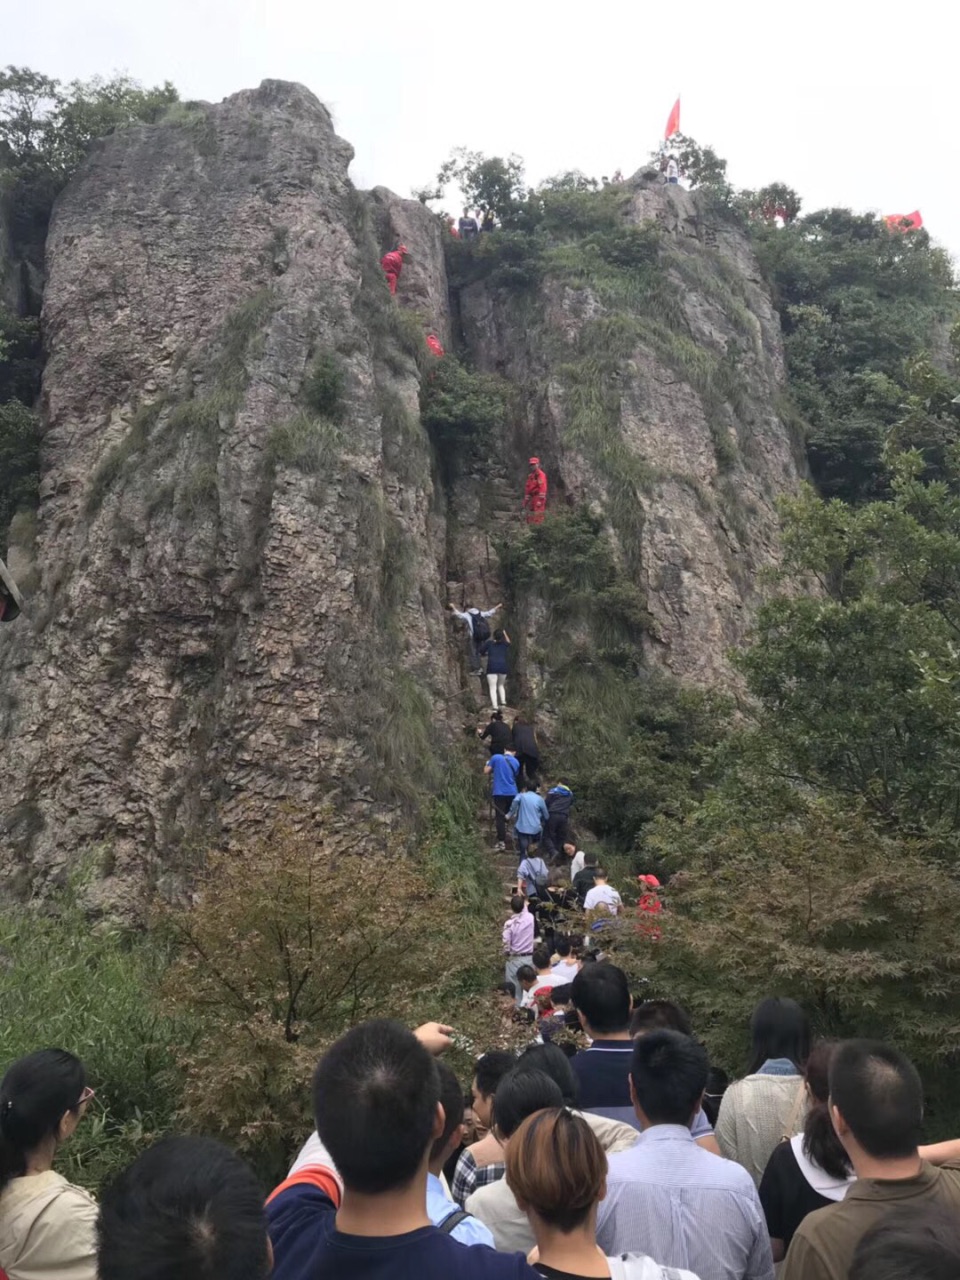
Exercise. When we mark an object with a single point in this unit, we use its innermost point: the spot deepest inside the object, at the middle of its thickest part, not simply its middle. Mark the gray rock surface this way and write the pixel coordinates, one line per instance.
(242, 568)
(213, 636)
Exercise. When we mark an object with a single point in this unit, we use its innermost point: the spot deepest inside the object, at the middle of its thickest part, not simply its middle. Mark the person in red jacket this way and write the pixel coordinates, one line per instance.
(392, 264)
(535, 493)
(648, 905)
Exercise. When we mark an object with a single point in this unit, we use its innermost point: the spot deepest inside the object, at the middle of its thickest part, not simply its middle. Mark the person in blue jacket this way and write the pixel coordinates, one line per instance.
(502, 771)
(530, 814)
(557, 830)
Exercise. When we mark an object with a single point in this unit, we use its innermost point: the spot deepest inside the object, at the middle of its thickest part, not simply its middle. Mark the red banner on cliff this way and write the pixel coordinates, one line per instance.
(904, 221)
(673, 121)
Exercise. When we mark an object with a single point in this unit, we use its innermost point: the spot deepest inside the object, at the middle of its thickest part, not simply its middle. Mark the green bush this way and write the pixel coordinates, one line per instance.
(92, 989)
(19, 460)
(462, 410)
(308, 444)
(324, 385)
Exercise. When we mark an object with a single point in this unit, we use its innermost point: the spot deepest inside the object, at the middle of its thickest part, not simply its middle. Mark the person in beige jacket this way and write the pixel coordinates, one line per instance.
(47, 1225)
(769, 1103)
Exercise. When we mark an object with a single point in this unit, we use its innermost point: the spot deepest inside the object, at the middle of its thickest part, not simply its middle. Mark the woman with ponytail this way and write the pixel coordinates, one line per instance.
(47, 1226)
(811, 1169)
(557, 1170)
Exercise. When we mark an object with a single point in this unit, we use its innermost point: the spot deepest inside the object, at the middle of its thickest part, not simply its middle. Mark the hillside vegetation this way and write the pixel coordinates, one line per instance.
(811, 826)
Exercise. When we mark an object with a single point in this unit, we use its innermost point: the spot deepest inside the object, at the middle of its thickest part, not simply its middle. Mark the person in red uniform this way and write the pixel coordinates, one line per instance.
(535, 493)
(649, 905)
(392, 264)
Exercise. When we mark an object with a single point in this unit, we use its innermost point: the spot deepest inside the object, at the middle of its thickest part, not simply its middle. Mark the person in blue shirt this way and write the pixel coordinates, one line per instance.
(361, 1209)
(530, 813)
(502, 771)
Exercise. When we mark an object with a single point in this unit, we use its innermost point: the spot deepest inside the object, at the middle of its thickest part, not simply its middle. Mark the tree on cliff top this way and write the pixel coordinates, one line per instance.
(491, 184)
(46, 129)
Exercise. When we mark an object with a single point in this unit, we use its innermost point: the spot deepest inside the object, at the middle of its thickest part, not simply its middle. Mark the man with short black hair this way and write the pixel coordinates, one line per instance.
(910, 1244)
(376, 1095)
(566, 968)
(482, 1161)
(668, 1198)
(584, 880)
(876, 1105)
(442, 1211)
(188, 1208)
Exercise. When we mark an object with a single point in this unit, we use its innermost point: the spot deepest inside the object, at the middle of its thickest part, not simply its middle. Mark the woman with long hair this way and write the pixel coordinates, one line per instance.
(557, 1170)
(768, 1103)
(47, 1225)
(812, 1169)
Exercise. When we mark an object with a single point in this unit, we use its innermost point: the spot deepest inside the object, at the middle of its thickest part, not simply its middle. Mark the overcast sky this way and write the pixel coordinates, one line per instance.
(850, 103)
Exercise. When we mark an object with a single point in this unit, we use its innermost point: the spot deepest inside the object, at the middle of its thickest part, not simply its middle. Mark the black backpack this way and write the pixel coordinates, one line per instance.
(481, 628)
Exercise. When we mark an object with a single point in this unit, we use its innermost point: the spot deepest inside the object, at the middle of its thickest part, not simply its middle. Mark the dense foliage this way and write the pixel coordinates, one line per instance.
(859, 306)
(46, 129)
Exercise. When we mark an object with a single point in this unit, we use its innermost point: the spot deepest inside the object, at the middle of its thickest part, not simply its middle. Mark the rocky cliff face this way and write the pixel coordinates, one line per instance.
(243, 545)
(231, 562)
(661, 411)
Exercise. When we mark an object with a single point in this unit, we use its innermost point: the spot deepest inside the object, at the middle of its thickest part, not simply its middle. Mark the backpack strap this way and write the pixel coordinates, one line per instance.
(452, 1221)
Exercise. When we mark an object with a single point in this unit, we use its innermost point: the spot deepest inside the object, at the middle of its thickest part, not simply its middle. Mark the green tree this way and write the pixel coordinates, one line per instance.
(784, 893)
(856, 304)
(844, 675)
(19, 460)
(490, 184)
(292, 940)
(769, 203)
(699, 165)
(46, 129)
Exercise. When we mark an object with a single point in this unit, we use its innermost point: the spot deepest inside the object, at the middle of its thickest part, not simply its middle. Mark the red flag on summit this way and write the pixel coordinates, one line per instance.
(673, 121)
(904, 221)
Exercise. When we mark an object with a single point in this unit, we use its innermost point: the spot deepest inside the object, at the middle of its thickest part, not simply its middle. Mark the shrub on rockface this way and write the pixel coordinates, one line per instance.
(631, 743)
(461, 410)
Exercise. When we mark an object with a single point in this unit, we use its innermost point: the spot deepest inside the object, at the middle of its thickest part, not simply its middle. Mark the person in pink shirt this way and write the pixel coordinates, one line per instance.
(518, 934)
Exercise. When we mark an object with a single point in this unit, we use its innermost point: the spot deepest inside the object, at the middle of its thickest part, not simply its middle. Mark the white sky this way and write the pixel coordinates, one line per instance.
(851, 103)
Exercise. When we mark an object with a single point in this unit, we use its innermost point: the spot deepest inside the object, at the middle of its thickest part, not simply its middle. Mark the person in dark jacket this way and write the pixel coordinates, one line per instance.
(495, 651)
(528, 752)
(559, 803)
(499, 733)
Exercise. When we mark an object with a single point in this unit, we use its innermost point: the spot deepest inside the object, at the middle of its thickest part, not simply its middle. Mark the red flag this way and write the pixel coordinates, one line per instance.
(673, 121)
(904, 221)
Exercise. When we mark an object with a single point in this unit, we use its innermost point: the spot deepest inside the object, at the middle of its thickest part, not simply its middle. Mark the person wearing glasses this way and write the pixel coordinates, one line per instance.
(47, 1225)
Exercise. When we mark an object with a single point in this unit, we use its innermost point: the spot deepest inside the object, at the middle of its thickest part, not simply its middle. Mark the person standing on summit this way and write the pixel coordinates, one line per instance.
(392, 264)
(478, 630)
(535, 493)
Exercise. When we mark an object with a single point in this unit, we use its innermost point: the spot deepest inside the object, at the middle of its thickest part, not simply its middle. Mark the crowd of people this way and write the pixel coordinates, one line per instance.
(614, 1159)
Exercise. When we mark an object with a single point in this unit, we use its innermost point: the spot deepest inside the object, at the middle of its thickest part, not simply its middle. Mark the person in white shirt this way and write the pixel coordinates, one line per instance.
(567, 968)
(673, 171)
(575, 858)
(545, 975)
(603, 895)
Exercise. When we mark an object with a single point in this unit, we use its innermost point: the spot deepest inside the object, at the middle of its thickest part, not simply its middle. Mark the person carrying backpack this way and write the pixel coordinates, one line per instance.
(478, 630)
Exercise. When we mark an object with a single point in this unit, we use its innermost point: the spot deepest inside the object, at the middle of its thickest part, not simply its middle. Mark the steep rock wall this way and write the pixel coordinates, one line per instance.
(658, 407)
(245, 540)
(231, 561)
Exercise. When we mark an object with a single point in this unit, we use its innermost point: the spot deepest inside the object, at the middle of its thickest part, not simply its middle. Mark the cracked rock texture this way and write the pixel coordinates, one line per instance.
(242, 568)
